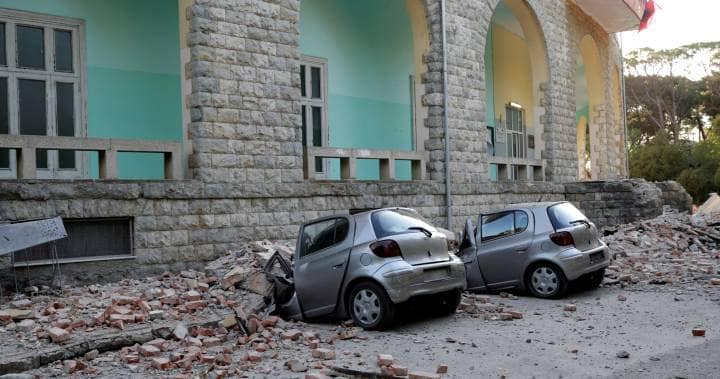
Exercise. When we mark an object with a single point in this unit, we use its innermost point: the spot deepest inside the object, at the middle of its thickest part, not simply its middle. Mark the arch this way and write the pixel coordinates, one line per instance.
(516, 69)
(589, 101)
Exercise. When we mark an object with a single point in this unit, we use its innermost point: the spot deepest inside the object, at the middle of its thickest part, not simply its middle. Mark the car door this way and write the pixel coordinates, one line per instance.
(467, 252)
(323, 250)
(502, 246)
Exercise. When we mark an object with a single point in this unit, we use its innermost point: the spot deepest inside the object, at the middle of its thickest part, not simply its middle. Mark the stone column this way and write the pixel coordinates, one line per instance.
(245, 113)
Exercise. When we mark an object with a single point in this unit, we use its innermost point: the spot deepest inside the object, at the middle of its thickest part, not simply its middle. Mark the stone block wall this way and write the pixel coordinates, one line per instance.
(612, 203)
(675, 196)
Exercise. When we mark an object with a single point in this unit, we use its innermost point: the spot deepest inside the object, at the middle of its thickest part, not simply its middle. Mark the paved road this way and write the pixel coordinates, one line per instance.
(549, 343)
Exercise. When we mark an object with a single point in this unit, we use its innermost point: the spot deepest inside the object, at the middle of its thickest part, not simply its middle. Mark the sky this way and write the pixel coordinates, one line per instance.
(677, 23)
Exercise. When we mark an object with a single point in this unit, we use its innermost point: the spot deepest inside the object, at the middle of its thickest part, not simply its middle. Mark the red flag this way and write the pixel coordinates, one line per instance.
(647, 14)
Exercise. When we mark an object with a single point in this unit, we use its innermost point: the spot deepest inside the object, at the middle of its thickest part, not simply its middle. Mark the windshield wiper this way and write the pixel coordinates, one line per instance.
(421, 229)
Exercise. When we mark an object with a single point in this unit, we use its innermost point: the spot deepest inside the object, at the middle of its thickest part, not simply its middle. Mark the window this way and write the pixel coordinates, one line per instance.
(397, 221)
(323, 234)
(565, 215)
(42, 76)
(313, 99)
(515, 127)
(88, 239)
(503, 224)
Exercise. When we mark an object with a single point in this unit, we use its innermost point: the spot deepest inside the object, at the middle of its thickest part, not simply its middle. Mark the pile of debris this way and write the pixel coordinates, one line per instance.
(674, 248)
(482, 306)
(168, 322)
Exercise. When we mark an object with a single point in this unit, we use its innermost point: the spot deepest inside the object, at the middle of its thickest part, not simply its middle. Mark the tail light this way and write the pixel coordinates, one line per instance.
(386, 249)
(562, 238)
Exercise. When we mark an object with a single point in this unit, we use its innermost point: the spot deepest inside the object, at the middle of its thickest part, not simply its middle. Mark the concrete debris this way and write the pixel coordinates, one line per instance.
(672, 249)
(710, 206)
(481, 306)
(622, 354)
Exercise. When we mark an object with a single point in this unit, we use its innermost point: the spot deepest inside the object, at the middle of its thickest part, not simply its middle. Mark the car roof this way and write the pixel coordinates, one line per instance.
(356, 216)
(532, 206)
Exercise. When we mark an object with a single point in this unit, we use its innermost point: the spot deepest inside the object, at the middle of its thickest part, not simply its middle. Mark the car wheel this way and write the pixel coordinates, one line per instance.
(546, 281)
(594, 279)
(371, 307)
(449, 301)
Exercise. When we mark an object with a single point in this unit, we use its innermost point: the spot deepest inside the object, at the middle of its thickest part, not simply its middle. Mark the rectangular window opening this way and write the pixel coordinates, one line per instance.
(63, 51)
(88, 239)
(30, 47)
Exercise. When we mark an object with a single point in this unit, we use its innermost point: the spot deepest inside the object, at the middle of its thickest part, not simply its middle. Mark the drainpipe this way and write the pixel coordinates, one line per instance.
(448, 194)
(623, 109)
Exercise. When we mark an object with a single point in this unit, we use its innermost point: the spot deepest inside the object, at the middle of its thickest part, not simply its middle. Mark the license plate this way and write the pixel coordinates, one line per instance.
(436, 274)
(597, 257)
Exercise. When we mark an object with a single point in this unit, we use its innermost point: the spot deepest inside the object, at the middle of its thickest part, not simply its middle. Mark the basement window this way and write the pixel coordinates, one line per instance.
(89, 239)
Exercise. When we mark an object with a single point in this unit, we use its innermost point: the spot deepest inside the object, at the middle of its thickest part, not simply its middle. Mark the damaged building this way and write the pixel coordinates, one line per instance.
(171, 131)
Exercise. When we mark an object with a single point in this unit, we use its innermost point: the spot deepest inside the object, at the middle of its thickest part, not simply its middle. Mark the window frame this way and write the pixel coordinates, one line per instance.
(307, 101)
(515, 230)
(49, 23)
(335, 220)
(516, 132)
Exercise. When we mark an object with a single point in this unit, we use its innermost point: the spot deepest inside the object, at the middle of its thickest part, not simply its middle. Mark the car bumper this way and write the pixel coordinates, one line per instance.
(403, 281)
(576, 263)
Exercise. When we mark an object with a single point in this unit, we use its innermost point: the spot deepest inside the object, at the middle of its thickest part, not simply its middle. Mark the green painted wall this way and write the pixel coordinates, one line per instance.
(369, 48)
(133, 72)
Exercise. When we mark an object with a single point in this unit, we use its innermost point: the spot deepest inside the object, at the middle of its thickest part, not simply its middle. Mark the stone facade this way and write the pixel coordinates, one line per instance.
(246, 164)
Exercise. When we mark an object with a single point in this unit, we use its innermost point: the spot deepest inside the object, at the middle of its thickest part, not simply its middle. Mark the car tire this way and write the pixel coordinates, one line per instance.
(370, 306)
(594, 279)
(449, 302)
(546, 281)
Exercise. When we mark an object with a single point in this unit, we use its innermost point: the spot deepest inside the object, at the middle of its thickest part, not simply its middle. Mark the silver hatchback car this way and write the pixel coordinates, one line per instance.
(538, 246)
(362, 265)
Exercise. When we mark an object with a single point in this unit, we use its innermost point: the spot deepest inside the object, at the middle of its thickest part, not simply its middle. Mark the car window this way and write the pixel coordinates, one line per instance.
(521, 221)
(323, 234)
(391, 222)
(564, 215)
(503, 224)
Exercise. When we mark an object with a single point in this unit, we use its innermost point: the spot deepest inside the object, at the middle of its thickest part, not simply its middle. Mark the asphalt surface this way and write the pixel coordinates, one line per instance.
(654, 326)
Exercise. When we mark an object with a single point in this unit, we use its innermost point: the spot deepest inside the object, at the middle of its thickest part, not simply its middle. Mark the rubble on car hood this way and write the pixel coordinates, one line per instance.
(674, 248)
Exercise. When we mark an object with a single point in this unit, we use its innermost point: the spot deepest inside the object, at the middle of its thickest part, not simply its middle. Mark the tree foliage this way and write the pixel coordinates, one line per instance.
(672, 90)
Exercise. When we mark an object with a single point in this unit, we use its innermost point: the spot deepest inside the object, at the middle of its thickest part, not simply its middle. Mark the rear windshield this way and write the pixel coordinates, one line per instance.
(390, 222)
(564, 214)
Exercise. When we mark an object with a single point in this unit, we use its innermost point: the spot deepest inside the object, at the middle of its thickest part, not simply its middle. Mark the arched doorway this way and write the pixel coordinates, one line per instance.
(515, 69)
(588, 104)
(361, 69)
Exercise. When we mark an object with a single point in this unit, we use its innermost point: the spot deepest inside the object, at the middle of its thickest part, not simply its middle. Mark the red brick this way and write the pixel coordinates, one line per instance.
(211, 341)
(291, 334)
(124, 300)
(148, 350)
(442, 369)
(254, 356)
(324, 354)
(161, 363)
(58, 335)
(195, 305)
(270, 321)
(698, 332)
(384, 359)
(193, 295)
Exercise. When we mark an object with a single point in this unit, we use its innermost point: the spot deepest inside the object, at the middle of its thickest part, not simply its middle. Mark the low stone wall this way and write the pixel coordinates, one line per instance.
(188, 221)
(609, 203)
(180, 223)
(675, 196)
